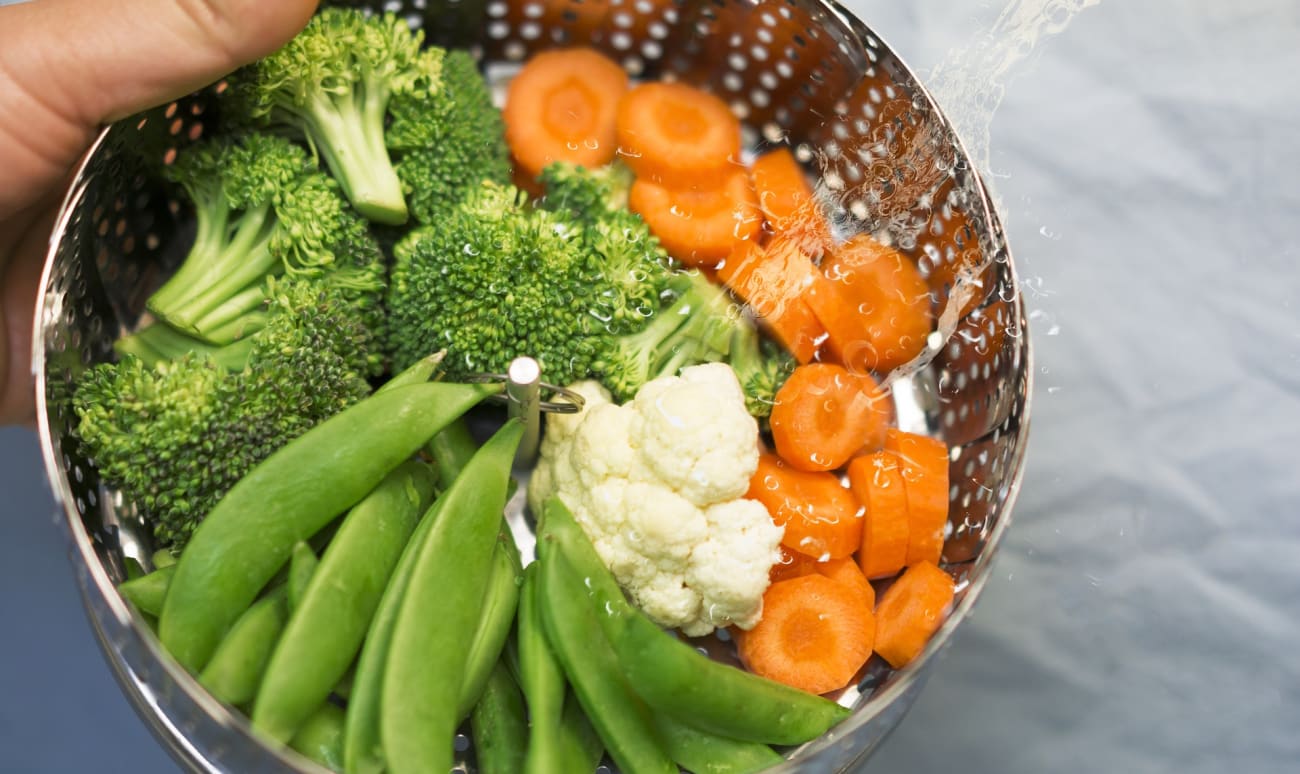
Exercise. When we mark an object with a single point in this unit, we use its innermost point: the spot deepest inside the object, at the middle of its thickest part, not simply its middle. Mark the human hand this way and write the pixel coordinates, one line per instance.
(66, 68)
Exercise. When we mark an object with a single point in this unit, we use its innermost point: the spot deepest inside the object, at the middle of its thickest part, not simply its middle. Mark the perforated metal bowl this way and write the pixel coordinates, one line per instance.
(800, 72)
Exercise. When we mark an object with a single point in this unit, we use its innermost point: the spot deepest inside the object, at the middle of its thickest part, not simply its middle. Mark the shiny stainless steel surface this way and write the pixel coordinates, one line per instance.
(800, 72)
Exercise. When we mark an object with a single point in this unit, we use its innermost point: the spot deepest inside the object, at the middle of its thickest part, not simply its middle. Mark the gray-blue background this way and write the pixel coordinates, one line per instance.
(1143, 613)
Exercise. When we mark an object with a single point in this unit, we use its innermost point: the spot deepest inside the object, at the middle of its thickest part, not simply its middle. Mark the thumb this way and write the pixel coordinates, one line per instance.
(67, 66)
(97, 60)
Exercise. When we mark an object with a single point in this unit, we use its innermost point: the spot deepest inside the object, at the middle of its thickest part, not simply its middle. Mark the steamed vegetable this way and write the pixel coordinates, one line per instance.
(561, 107)
(825, 414)
(911, 611)
(175, 437)
(332, 84)
(658, 484)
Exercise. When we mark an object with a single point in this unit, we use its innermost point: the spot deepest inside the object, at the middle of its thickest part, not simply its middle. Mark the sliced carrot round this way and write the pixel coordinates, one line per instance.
(821, 518)
(699, 225)
(673, 133)
(562, 106)
(847, 572)
(910, 611)
(825, 414)
(772, 280)
(877, 480)
(874, 303)
(789, 206)
(815, 634)
(923, 463)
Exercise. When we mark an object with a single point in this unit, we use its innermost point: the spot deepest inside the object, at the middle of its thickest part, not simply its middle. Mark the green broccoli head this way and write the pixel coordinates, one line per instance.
(495, 279)
(277, 214)
(447, 140)
(586, 194)
(333, 83)
(174, 437)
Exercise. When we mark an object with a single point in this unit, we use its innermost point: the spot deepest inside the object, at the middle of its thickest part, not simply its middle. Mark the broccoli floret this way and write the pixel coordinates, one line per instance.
(333, 83)
(635, 269)
(701, 325)
(261, 209)
(447, 140)
(761, 366)
(586, 194)
(174, 437)
(494, 279)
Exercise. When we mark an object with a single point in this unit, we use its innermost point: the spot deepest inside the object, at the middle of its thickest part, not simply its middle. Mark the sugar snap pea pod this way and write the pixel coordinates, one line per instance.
(542, 679)
(417, 373)
(620, 717)
(701, 752)
(496, 617)
(674, 677)
(302, 565)
(148, 591)
(362, 752)
(451, 451)
(499, 724)
(236, 667)
(330, 620)
(163, 557)
(288, 497)
(424, 676)
(321, 737)
(580, 745)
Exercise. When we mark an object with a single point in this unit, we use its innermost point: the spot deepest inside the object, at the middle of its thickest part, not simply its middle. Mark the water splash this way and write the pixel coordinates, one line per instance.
(971, 81)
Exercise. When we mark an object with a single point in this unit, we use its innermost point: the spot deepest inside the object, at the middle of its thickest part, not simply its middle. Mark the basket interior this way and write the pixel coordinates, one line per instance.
(795, 72)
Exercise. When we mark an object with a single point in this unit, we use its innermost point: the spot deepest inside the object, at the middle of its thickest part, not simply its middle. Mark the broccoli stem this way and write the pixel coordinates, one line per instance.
(160, 342)
(238, 317)
(349, 132)
(214, 280)
(212, 225)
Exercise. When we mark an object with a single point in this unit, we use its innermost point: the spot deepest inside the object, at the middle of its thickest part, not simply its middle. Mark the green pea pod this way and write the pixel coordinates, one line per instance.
(417, 373)
(427, 656)
(674, 677)
(362, 751)
(321, 737)
(580, 745)
(330, 620)
(302, 565)
(163, 557)
(235, 670)
(574, 631)
(703, 753)
(289, 496)
(499, 724)
(452, 450)
(147, 592)
(542, 679)
(496, 617)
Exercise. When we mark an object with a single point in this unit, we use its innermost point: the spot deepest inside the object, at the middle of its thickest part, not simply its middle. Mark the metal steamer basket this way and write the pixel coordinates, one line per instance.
(798, 72)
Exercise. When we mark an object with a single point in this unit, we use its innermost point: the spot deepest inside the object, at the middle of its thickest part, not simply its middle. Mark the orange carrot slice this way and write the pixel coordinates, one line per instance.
(699, 225)
(815, 634)
(923, 463)
(791, 565)
(846, 571)
(821, 517)
(874, 304)
(772, 282)
(676, 134)
(561, 106)
(911, 611)
(877, 480)
(787, 201)
(825, 414)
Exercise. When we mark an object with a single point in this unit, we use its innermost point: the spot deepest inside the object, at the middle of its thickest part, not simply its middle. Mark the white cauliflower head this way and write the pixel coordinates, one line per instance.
(657, 486)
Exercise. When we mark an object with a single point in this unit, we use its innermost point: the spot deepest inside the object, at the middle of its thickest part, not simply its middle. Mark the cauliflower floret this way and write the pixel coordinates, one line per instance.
(734, 563)
(656, 484)
(696, 434)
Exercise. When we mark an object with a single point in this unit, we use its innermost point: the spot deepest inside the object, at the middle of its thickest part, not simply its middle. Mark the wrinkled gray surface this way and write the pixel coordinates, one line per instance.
(1142, 617)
